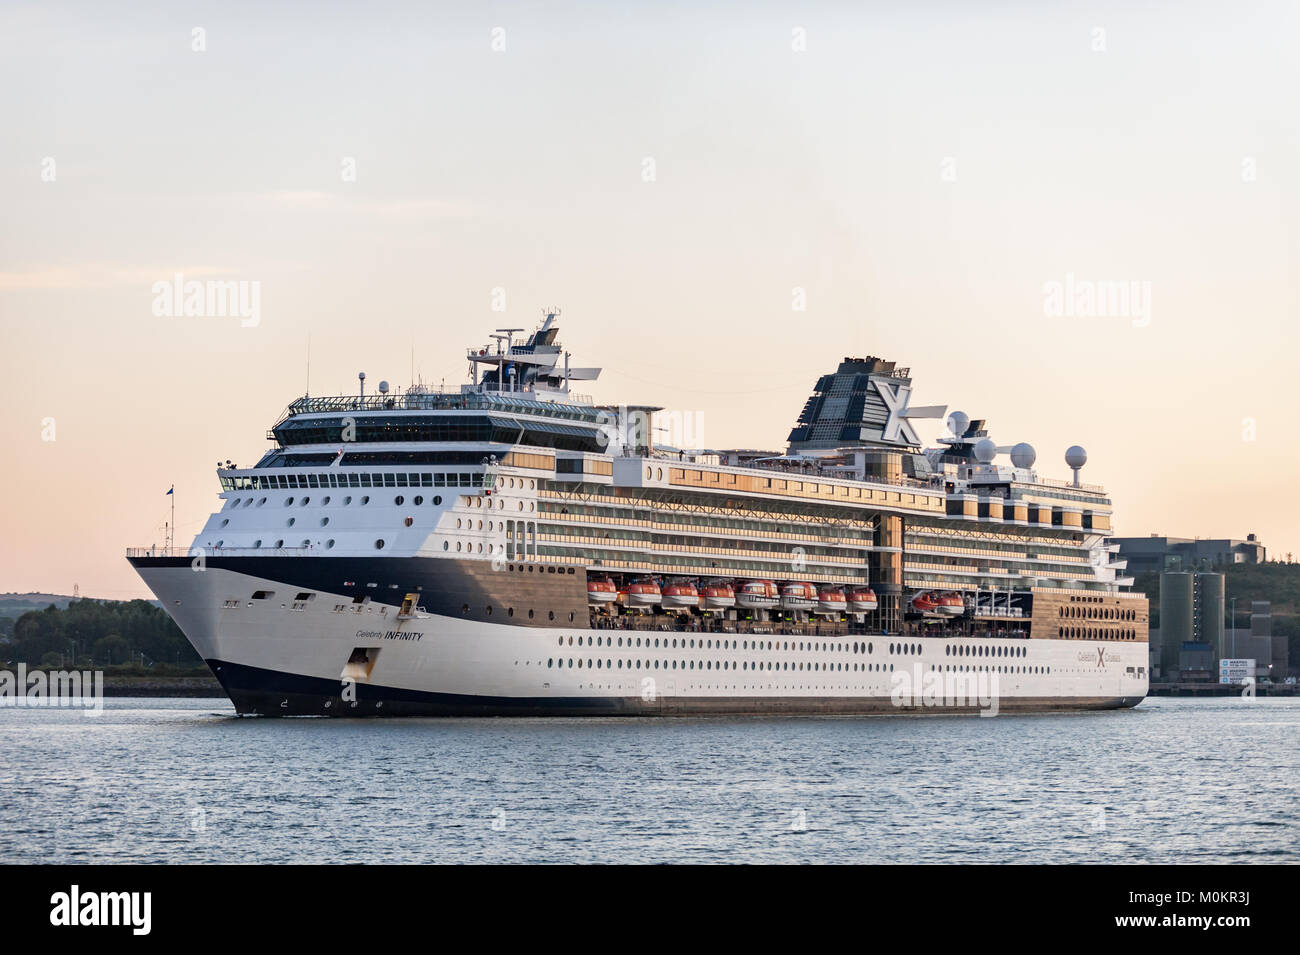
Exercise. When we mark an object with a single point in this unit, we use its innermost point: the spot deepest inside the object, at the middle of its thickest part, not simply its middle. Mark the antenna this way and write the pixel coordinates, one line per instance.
(308, 391)
(361, 377)
(509, 337)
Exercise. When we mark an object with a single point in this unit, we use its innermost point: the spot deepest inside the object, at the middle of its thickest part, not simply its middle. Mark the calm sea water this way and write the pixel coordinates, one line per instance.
(185, 781)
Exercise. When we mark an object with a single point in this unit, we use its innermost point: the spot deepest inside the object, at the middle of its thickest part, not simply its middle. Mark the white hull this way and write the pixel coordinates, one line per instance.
(295, 657)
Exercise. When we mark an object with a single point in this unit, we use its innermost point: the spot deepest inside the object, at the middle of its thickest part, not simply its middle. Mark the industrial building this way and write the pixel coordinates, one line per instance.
(1156, 554)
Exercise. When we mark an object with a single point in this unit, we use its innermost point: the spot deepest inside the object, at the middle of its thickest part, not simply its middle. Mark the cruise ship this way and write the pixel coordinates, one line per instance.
(513, 548)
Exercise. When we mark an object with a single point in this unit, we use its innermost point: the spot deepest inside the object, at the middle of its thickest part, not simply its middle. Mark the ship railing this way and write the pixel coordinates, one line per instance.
(1057, 482)
(220, 551)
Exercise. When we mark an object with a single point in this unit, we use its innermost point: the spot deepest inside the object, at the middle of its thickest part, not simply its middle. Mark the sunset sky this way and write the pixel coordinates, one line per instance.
(669, 175)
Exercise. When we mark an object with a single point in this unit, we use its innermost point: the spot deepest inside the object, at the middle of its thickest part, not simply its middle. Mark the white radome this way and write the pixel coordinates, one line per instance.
(985, 450)
(1023, 455)
(1076, 457)
(958, 422)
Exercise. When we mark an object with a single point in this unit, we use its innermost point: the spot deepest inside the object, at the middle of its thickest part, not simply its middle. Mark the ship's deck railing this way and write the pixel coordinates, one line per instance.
(220, 551)
(1056, 482)
(489, 400)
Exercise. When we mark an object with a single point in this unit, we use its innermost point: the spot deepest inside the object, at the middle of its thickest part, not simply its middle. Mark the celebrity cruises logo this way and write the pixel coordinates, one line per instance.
(78, 689)
(931, 688)
(75, 907)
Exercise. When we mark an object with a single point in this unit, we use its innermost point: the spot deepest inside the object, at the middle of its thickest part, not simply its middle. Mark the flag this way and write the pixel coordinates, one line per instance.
(170, 489)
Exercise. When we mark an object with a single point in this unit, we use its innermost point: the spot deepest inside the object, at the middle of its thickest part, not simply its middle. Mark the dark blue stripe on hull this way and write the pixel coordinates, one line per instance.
(271, 693)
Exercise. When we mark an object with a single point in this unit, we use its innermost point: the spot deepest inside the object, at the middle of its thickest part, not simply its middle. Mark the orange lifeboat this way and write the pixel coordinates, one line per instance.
(951, 605)
(680, 594)
(831, 600)
(601, 591)
(718, 595)
(758, 595)
(926, 603)
(862, 600)
(642, 592)
(797, 595)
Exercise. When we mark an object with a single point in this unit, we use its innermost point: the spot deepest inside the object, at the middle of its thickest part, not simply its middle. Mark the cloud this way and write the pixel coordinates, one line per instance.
(97, 275)
(391, 208)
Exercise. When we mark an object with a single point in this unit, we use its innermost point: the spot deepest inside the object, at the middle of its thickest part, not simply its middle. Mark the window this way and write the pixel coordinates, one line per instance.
(379, 544)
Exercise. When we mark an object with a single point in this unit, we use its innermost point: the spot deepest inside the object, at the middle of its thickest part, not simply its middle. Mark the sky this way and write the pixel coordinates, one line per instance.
(723, 201)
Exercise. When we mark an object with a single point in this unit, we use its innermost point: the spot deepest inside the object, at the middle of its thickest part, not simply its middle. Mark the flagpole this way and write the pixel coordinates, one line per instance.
(172, 536)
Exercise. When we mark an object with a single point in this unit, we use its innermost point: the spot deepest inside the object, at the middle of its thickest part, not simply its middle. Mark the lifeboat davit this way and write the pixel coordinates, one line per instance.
(831, 600)
(862, 600)
(601, 591)
(680, 594)
(951, 605)
(718, 595)
(798, 596)
(758, 595)
(643, 592)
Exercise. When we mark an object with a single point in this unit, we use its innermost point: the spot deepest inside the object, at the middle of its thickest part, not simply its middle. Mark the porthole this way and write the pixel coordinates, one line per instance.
(418, 500)
(325, 500)
(225, 522)
(324, 521)
(458, 523)
(458, 545)
(220, 543)
(399, 500)
(437, 499)
(257, 543)
(480, 525)
(279, 543)
(510, 611)
(288, 501)
(379, 544)
(365, 500)
(489, 610)
(409, 521)
(291, 522)
(305, 501)
(305, 543)
(446, 545)
(329, 544)
(261, 502)
(347, 499)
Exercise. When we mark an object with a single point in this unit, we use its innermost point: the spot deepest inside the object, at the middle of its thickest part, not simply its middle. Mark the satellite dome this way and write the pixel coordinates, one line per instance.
(985, 450)
(383, 387)
(1023, 455)
(958, 422)
(1076, 457)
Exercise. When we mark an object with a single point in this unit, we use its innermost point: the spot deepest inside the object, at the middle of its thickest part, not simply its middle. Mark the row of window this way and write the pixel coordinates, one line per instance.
(1095, 633)
(235, 502)
(344, 479)
(1097, 613)
(769, 665)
